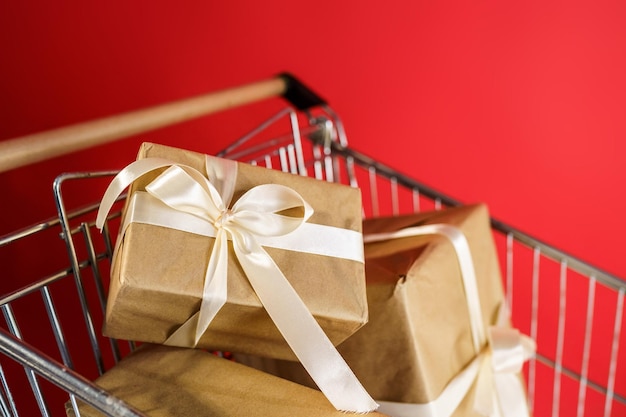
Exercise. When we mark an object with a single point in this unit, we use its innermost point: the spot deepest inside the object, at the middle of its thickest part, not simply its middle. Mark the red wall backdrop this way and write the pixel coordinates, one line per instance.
(520, 106)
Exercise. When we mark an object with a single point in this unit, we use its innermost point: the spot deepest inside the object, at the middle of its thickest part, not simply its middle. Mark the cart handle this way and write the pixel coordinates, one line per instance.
(25, 150)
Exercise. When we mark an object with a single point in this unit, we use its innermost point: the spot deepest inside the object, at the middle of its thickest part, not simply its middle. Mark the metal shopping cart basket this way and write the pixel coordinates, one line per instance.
(50, 340)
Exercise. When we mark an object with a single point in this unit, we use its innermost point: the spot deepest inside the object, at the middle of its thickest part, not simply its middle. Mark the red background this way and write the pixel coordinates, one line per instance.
(520, 106)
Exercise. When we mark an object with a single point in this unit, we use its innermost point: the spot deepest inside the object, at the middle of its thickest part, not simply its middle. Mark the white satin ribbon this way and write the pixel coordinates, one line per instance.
(253, 217)
(500, 352)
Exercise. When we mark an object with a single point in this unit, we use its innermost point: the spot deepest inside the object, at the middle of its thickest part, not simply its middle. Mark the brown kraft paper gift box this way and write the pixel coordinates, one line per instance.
(164, 381)
(418, 337)
(158, 273)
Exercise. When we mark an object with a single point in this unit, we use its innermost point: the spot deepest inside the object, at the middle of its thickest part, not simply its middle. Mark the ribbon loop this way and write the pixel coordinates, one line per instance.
(179, 190)
(510, 349)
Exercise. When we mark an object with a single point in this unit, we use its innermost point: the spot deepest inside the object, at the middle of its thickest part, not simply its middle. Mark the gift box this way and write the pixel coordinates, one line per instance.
(426, 350)
(164, 381)
(159, 272)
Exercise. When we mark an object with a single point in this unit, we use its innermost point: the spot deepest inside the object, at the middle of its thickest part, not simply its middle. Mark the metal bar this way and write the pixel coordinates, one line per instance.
(93, 262)
(56, 327)
(8, 402)
(297, 143)
(576, 377)
(4, 405)
(614, 349)
(534, 319)
(27, 231)
(47, 224)
(556, 391)
(11, 321)
(291, 154)
(317, 165)
(342, 138)
(416, 199)
(509, 271)
(226, 152)
(282, 156)
(69, 244)
(64, 377)
(329, 166)
(351, 172)
(582, 389)
(374, 191)
(395, 201)
(17, 294)
(106, 236)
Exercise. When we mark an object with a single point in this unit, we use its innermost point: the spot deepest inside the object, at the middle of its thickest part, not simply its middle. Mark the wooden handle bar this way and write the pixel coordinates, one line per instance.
(21, 151)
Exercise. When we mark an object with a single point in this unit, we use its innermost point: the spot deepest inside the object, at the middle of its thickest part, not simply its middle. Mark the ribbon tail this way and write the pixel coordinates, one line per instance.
(213, 297)
(511, 396)
(303, 334)
(483, 400)
(215, 284)
(184, 334)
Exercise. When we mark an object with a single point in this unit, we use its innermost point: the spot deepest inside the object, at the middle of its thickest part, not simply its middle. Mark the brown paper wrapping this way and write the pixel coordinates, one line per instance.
(164, 381)
(158, 273)
(418, 337)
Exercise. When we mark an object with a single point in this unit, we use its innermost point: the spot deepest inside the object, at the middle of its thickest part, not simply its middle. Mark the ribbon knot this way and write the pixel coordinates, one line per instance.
(223, 219)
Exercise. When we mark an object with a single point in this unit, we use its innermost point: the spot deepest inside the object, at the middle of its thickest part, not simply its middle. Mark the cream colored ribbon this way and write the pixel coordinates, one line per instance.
(255, 216)
(500, 352)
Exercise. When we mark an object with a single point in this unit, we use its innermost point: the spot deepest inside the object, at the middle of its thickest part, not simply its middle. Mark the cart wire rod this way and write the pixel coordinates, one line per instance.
(75, 263)
(17, 294)
(574, 375)
(93, 262)
(56, 327)
(52, 222)
(509, 271)
(312, 131)
(64, 377)
(558, 369)
(573, 262)
(97, 279)
(614, 349)
(11, 321)
(253, 133)
(6, 399)
(269, 144)
(534, 324)
(584, 381)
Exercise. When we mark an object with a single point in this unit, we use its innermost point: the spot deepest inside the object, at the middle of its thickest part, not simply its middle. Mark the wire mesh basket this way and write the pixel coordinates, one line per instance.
(51, 342)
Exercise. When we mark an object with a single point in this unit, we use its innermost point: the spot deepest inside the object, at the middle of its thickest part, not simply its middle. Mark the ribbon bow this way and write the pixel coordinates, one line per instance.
(258, 214)
(254, 214)
(500, 352)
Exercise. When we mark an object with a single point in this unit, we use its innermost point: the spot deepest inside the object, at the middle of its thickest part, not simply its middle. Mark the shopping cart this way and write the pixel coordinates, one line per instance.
(51, 342)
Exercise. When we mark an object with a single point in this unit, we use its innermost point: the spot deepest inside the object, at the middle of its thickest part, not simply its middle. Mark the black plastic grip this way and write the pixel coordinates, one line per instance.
(299, 94)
